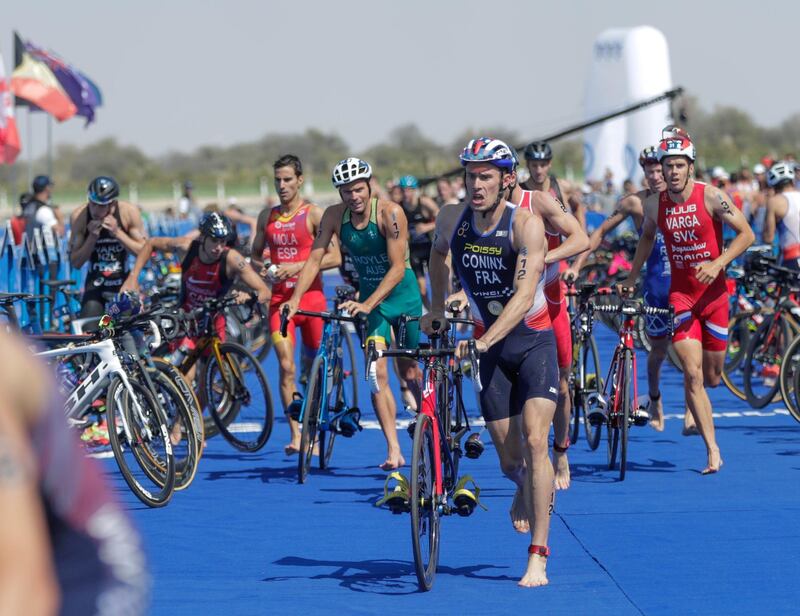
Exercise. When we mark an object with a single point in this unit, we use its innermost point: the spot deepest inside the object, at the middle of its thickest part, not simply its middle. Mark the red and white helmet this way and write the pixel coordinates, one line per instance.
(676, 142)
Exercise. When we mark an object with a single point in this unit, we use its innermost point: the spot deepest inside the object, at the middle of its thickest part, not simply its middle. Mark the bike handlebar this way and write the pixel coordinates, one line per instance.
(360, 320)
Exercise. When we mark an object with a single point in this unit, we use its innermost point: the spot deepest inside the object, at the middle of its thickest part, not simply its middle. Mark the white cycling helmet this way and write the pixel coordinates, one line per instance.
(350, 170)
(782, 171)
(676, 142)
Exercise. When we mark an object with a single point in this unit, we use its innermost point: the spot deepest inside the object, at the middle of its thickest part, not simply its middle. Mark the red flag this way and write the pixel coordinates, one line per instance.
(9, 137)
(33, 81)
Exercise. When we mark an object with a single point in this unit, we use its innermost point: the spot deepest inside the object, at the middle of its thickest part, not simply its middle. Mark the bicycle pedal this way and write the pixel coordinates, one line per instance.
(295, 407)
(473, 448)
(412, 426)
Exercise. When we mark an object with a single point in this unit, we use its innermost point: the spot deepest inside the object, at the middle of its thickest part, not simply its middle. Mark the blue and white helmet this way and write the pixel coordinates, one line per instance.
(488, 150)
(350, 170)
(781, 171)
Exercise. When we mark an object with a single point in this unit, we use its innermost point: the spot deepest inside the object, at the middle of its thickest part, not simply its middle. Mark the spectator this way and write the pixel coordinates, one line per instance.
(187, 207)
(39, 213)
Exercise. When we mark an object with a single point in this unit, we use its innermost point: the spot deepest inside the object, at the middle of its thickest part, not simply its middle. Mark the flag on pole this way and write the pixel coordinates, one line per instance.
(34, 81)
(9, 137)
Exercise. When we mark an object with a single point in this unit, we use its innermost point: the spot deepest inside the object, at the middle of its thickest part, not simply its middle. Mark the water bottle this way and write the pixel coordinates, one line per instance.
(177, 357)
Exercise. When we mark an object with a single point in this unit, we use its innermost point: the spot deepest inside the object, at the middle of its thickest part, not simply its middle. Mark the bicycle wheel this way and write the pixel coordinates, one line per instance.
(740, 329)
(189, 396)
(612, 422)
(793, 408)
(762, 362)
(592, 383)
(336, 403)
(424, 513)
(350, 363)
(180, 425)
(625, 417)
(242, 381)
(789, 375)
(310, 412)
(137, 431)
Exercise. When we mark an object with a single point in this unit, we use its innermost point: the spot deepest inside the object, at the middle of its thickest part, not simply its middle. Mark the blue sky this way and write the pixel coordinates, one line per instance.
(177, 74)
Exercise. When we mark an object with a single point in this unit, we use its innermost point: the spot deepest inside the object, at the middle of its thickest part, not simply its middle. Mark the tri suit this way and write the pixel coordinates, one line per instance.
(108, 269)
(692, 237)
(524, 365)
(367, 248)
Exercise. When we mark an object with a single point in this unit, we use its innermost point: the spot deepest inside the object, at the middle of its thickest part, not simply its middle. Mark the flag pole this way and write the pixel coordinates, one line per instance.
(49, 145)
(30, 148)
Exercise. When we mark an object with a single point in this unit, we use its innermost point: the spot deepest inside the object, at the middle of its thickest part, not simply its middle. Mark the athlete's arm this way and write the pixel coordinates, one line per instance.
(529, 241)
(646, 240)
(776, 207)
(575, 203)
(630, 205)
(154, 243)
(559, 217)
(134, 238)
(719, 205)
(259, 241)
(432, 211)
(237, 266)
(327, 228)
(27, 579)
(438, 265)
(84, 236)
(393, 225)
(333, 256)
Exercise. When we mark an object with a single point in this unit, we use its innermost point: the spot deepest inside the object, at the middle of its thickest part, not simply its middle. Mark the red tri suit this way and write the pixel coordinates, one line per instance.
(553, 287)
(200, 282)
(693, 236)
(289, 238)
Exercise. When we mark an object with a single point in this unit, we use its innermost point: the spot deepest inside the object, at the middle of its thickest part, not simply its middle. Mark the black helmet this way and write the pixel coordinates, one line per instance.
(40, 182)
(216, 225)
(538, 150)
(103, 190)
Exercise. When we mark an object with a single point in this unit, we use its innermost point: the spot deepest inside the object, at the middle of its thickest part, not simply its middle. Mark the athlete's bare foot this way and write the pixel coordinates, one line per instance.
(536, 575)
(656, 415)
(519, 513)
(561, 468)
(393, 462)
(175, 434)
(689, 425)
(714, 462)
(408, 399)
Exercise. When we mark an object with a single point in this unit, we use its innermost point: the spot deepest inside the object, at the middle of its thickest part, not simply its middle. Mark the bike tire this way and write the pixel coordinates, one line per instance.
(327, 438)
(119, 409)
(626, 414)
(612, 422)
(755, 349)
(245, 431)
(790, 367)
(591, 354)
(425, 519)
(351, 371)
(189, 395)
(794, 409)
(177, 411)
(738, 338)
(310, 423)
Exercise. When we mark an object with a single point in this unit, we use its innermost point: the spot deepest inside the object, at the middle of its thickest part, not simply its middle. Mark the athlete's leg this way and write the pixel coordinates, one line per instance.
(537, 415)
(713, 362)
(386, 410)
(655, 359)
(561, 420)
(287, 375)
(506, 436)
(690, 352)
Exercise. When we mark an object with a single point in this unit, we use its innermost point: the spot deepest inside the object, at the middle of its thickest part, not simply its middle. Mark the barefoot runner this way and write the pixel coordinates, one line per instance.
(498, 252)
(690, 214)
(375, 233)
(289, 230)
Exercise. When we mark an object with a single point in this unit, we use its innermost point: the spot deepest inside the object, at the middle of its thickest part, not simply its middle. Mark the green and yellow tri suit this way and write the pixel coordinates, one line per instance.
(368, 249)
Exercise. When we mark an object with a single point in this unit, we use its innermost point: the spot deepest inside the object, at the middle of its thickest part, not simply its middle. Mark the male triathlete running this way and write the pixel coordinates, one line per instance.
(539, 162)
(559, 223)
(208, 270)
(421, 213)
(498, 252)
(289, 230)
(783, 213)
(690, 215)
(104, 231)
(66, 545)
(375, 233)
(655, 286)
